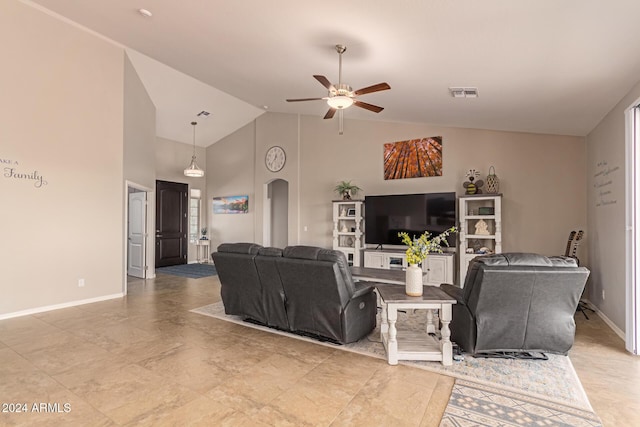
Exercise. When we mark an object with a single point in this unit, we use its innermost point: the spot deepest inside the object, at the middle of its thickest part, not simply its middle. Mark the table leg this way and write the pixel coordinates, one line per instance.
(392, 316)
(445, 332)
(384, 324)
(431, 325)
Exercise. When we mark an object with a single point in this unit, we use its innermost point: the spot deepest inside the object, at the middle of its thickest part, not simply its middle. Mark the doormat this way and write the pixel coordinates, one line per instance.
(553, 379)
(192, 271)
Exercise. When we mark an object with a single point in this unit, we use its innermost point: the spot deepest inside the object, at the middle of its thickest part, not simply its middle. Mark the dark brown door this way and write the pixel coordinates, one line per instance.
(172, 223)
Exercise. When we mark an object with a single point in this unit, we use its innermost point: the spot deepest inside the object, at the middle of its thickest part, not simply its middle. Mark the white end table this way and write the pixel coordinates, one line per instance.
(203, 250)
(416, 345)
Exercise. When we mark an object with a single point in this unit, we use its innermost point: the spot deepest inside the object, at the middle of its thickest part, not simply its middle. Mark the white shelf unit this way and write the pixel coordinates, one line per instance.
(437, 268)
(469, 207)
(348, 229)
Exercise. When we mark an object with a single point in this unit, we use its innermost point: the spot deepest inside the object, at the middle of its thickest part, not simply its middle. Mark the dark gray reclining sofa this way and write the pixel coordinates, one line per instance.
(302, 289)
(517, 302)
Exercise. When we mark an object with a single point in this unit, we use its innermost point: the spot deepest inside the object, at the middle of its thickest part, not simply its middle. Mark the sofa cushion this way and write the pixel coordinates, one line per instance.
(240, 248)
(526, 259)
(516, 258)
(301, 252)
(563, 261)
(277, 252)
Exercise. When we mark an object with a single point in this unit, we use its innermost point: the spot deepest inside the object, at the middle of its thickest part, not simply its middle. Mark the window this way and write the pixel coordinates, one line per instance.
(194, 216)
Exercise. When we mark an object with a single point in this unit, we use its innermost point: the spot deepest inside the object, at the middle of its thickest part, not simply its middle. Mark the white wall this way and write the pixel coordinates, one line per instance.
(542, 176)
(172, 158)
(62, 116)
(606, 211)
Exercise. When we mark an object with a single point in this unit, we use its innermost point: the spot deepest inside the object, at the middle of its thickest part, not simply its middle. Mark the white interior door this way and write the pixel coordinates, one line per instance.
(136, 246)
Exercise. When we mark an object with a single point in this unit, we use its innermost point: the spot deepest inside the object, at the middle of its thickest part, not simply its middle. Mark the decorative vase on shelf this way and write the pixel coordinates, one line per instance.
(413, 285)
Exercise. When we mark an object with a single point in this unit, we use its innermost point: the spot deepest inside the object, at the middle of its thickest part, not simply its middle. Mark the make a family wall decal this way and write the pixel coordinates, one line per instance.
(13, 173)
(413, 158)
(604, 183)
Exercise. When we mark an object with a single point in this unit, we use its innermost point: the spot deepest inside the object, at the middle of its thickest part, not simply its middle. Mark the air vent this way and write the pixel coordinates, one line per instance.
(203, 114)
(464, 92)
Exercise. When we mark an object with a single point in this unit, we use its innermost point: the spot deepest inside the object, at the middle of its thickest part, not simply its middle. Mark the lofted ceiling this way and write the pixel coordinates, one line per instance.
(542, 66)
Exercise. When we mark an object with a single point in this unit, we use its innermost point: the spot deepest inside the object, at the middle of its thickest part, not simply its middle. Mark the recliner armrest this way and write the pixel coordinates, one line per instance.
(362, 289)
(453, 291)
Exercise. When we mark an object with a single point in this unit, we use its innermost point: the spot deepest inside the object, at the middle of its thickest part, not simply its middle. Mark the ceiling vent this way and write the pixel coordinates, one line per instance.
(464, 92)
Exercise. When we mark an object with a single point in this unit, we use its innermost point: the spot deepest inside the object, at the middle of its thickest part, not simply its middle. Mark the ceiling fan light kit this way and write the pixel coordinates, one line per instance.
(340, 101)
(341, 96)
(193, 171)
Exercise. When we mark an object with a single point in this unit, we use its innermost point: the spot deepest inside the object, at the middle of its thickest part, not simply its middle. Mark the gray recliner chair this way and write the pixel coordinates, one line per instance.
(516, 303)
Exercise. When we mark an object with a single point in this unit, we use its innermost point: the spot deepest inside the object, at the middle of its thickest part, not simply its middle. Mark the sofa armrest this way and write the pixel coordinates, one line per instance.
(453, 291)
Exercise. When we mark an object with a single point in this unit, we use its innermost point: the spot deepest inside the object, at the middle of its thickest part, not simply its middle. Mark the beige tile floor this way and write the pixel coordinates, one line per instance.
(146, 360)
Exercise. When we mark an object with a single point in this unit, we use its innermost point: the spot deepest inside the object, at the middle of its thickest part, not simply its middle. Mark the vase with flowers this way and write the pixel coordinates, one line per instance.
(418, 248)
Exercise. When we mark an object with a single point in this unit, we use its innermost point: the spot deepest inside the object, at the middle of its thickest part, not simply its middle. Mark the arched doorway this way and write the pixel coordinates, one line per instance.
(276, 214)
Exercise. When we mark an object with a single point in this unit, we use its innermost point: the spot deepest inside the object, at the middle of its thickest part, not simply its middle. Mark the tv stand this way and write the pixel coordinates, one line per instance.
(438, 268)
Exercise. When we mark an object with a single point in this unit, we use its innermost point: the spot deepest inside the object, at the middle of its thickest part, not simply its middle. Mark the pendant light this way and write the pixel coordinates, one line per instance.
(193, 170)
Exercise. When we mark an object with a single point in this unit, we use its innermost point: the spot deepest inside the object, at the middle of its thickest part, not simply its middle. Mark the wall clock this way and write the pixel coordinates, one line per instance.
(275, 158)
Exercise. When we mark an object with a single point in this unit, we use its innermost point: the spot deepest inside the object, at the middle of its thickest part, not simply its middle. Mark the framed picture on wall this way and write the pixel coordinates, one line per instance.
(231, 205)
(413, 158)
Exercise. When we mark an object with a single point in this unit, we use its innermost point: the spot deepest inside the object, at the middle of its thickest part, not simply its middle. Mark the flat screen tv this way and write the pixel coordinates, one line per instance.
(386, 216)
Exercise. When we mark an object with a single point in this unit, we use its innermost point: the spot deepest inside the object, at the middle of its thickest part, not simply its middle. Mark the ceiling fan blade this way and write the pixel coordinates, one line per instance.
(366, 106)
(324, 82)
(374, 88)
(330, 113)
(304, 99)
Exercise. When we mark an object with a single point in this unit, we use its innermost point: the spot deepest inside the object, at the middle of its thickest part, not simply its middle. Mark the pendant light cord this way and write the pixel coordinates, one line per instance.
(194, 139)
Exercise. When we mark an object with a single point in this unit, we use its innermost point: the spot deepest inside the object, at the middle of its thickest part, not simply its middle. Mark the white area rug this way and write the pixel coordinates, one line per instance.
(553, 379)
(473, 404)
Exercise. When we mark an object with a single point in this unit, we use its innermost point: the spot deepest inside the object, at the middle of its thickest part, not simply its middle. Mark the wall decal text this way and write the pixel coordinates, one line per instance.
(12, 172)
(603, 182)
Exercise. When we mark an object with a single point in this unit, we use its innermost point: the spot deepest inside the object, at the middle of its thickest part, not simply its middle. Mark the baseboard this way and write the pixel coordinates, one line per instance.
(59, 306)
(606, 320)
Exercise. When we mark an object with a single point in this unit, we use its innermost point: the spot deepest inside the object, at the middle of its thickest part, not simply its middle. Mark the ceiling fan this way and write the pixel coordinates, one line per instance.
(341, 96)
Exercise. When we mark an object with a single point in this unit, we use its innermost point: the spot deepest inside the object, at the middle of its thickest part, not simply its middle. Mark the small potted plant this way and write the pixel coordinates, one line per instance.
(204, 233)
(417, 251)
(346, 189)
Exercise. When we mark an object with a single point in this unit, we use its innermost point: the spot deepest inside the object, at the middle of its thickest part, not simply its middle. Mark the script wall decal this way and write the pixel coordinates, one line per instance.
(13, 172)
(603, 180)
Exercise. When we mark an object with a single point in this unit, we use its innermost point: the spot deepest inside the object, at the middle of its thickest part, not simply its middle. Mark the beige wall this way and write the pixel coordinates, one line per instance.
(231, 169)
(606, 171)
(62, 116)
(542, 176)
(140, 151)
(171, 160)
(282, 130)
(139, 130)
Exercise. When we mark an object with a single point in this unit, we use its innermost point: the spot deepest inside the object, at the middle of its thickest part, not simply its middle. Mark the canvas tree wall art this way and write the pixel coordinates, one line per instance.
(414, 158)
